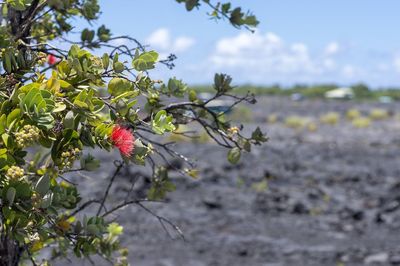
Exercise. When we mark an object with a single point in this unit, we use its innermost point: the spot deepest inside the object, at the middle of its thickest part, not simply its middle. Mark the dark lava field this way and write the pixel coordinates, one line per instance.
(326, 196)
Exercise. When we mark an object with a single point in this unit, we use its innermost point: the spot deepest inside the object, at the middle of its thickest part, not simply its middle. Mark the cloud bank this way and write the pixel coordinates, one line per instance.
(266, 58)
(162, 40)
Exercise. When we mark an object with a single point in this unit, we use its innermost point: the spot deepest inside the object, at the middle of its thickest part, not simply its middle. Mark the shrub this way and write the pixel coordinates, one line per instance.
(352, 114)
(272, 118)
(295, 122)
(361, 122)
(331, 118)
(260, 186)
(378, 114)
(312, 127)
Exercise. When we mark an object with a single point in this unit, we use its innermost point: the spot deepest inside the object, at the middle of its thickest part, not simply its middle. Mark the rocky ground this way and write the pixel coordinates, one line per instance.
(329, 197)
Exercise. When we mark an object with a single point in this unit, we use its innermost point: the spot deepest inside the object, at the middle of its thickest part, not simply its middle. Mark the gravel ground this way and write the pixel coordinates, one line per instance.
(329, 197)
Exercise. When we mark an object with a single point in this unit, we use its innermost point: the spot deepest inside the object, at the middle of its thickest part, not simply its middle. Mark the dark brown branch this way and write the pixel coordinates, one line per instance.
(83, 206)
(119, 166)
(161, 219)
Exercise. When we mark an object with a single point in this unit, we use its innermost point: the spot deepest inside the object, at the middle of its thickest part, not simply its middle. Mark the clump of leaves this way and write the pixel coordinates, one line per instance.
(272, 118)
(331, 118)
(312, 126)
(378, 114)
(352, 114)
(361, 122)
(295, 122)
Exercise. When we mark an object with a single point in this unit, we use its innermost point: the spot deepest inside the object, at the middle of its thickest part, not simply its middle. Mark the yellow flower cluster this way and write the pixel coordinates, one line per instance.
(27, 136)
(233, 130)
(42, 58)
(15, 172)
(68, 157)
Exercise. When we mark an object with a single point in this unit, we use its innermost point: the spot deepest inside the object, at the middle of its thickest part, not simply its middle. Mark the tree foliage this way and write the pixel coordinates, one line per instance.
(55, 104)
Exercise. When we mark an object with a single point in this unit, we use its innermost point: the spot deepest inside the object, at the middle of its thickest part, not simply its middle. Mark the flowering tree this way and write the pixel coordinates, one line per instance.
(62, 102)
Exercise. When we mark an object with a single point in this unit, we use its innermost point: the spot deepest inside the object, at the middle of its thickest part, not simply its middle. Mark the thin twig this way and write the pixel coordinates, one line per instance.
(119, 166)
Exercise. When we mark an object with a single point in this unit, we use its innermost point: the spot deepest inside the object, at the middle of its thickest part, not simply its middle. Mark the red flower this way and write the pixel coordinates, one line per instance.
(123, 139)
(51, 59)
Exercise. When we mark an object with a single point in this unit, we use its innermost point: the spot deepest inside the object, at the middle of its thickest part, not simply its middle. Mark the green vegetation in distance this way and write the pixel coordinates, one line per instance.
(361, 91)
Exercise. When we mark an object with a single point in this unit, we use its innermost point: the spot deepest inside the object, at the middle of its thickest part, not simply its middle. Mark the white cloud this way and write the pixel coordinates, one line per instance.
(349, 71)
(121, 41)
(329, 63)
(259, 56)
(182, 44)
(267, 58)
(332, 48)
(396, 62)
(383, 67)
(162, 40)
(246, 42)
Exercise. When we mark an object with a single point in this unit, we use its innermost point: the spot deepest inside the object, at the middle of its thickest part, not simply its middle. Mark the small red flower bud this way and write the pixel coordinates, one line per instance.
(51, 59)
(123, 139)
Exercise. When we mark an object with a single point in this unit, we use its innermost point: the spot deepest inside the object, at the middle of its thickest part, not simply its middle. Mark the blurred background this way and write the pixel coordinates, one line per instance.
(325, 189)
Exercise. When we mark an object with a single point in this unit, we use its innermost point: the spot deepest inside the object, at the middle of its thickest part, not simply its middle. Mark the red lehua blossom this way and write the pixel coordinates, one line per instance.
(123, 139)
(51, 59)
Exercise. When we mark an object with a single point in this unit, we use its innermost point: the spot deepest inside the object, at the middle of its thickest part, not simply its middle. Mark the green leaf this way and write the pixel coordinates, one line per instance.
(226, 7)
(190, 4)
(89, 163)
(3, 120)
(122, 108)
(7, 140)
(258, 136)
(69, 120)
(145, 61)
(43, 185)
(84, 99)
(87, 35)
(81, 104)
(251, 21)
(105, 61)
(76, 65)
(11, 195)
(23, 190)
(65, 85)
(247, 146)
(47, 201)
(74, 51)
(118, 86)
(236, 17)
(19, 5)
(176, 87)
(93, 229)
(103, 34)
(129, 94)
(59, 107)
(192, 96)
(118, 67)
(140, 153)
(162, 122)
(234, 155)
(13, 116)
(160, 185)
(115, 229)
(222, 83)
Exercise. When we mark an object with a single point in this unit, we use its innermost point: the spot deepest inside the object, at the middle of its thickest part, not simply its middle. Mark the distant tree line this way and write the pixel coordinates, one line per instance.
(361, 91)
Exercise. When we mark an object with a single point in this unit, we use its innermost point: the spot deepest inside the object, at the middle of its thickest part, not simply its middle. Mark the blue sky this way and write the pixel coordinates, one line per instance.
(303, 41)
